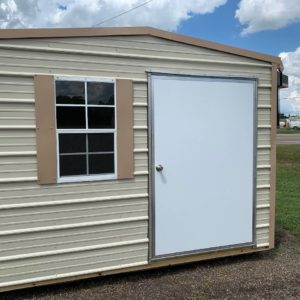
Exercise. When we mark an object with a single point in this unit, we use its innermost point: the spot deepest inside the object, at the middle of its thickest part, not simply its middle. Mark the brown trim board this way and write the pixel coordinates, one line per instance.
(124, 104)
(45, 129)
(273, 156)
(125, 31)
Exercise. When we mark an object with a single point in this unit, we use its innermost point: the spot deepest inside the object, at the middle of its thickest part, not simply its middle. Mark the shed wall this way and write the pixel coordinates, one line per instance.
(70, 229)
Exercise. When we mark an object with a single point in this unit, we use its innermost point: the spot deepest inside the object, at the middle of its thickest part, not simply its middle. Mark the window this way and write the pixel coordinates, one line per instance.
(86, 132)
(85, 129)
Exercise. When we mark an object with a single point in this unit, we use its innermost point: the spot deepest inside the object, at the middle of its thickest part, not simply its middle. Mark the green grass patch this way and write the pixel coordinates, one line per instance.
(287, 130)
(288, 188)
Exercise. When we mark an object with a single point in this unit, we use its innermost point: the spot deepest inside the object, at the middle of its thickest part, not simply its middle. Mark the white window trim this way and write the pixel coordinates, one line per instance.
(96, 177)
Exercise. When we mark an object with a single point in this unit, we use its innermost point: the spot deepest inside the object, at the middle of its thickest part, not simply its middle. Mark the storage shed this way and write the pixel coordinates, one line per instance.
(126, 149)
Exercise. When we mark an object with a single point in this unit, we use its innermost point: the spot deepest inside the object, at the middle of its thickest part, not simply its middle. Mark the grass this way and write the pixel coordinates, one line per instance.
(288, 188)
(287, 130)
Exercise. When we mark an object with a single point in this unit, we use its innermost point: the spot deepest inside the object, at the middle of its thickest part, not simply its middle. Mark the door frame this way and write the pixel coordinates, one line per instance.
(151, 160)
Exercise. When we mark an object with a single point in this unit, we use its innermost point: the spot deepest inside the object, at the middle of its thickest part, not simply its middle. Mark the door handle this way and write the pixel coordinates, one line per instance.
(159, 168)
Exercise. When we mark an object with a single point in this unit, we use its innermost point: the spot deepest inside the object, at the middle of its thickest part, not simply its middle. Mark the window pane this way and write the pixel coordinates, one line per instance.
(101, 163)
(101, 117)
(101, 142)
(72, 143)
(70, 117)
(100, 93)
(72, 165)
(69, 92)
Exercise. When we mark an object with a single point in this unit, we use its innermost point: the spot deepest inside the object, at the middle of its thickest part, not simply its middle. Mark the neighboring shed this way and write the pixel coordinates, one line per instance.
(125, 149)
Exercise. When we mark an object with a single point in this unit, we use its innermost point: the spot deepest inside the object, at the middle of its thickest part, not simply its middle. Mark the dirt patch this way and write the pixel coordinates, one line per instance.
(269, 275)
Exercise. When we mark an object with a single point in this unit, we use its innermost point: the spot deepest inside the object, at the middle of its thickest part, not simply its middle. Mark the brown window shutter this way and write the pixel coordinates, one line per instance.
(124, 104)
(45, 129)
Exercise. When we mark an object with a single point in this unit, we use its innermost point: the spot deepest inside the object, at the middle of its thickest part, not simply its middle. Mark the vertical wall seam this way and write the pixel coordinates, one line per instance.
(273, 156)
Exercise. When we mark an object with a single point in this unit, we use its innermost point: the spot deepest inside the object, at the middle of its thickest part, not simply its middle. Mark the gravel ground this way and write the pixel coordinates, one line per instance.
(269, 275)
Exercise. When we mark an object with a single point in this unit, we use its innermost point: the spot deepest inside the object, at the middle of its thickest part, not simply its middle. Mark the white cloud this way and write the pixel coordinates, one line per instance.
(166, 14)
(258, 15)
(290, 97)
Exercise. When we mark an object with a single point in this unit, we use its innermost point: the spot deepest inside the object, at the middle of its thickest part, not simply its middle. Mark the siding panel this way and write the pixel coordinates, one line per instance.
(30, 193)
(262, 236)
(264, 137)
(61, 264)
(264, 116)
(263, 196)
(126, 45)
(40, 223)
(263, 216)
(263, 155)
(36, 242)
(75, 213)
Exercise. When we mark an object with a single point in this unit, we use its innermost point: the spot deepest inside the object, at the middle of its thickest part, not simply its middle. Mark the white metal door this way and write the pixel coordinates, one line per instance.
(203, 160)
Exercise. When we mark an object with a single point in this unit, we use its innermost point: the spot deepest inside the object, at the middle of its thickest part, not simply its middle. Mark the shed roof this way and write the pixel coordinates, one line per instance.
(132, 31)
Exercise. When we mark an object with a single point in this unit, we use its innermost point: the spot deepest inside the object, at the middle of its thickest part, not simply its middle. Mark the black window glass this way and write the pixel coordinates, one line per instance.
(70, 92)
(101, 163)
(101, 117)
(72, 165)
(100, 93)
(70, 117)
(101, 142)
(72, 142)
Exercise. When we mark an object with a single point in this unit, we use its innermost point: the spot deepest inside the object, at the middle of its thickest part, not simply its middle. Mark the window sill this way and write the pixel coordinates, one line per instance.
(86, 178)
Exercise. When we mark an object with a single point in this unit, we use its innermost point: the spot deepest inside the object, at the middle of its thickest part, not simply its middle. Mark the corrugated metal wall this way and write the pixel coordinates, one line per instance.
(69, 229)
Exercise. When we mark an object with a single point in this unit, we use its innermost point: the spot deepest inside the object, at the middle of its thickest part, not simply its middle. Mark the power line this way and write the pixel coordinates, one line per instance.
(121, 14)
(294, 97)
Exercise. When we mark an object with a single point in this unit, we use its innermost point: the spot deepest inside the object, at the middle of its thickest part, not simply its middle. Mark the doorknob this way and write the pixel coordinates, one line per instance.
(159, 168)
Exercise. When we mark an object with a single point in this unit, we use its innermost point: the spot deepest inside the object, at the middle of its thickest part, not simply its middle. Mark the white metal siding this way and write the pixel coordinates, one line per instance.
(68, 229)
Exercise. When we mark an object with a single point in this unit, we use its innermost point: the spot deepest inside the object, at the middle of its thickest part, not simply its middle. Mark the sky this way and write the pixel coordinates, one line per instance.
(267, 26)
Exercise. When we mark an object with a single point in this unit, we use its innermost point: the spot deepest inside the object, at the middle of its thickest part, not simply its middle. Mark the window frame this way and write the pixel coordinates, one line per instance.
(82, 178)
